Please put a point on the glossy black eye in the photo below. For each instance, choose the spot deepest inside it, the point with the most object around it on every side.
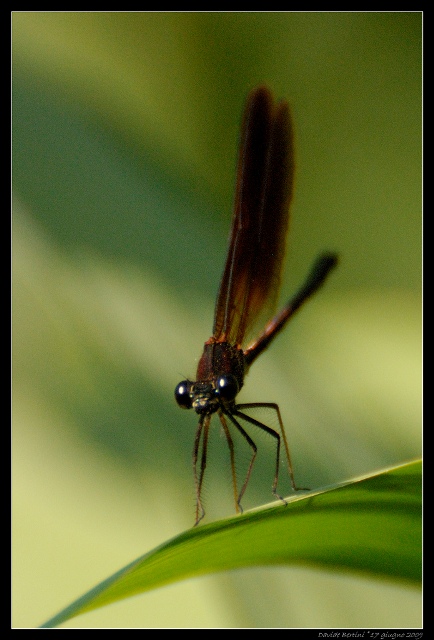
(182, 394)
(227, 387)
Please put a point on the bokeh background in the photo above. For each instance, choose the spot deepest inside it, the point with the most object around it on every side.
(125, 129)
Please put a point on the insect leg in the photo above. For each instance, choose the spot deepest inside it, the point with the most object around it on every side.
(203, 427)
(251, 444)
(232, 455)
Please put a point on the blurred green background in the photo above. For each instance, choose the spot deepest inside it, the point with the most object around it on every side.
(125, 129)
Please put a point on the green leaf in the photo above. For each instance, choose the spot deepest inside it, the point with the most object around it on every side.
(371, 524)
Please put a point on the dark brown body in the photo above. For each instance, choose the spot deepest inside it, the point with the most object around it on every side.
(249, 288)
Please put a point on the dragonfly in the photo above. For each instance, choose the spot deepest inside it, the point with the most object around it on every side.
(248, 292)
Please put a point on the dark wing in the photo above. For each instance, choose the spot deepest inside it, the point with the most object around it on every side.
(251, 277)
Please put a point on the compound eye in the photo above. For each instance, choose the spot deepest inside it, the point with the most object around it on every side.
(182, 394)
(227, 387)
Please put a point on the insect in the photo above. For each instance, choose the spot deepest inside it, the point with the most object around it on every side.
(248, 290)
